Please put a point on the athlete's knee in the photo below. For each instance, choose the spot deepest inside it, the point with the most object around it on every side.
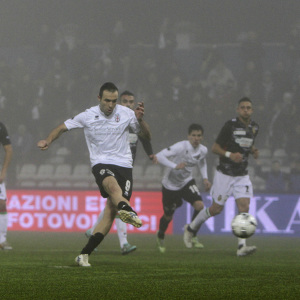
(168, 217)
(2, 206)
(198, 205)
(215, 209)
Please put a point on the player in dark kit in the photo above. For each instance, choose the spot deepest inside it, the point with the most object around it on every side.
(233, 145)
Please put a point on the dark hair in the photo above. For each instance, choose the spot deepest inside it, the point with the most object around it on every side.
(127, 93)
(195, 127)
(107, 86)
(244, 99)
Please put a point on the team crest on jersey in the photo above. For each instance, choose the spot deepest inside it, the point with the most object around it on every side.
(117, 118)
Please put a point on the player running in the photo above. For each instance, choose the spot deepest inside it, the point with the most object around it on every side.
(178, 183)
(233, 145)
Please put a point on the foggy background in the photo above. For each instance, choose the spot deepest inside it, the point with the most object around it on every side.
(189, 61)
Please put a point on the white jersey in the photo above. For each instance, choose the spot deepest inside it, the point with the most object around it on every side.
(182, 152)
(107, 137)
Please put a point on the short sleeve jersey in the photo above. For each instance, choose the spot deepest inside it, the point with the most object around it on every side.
(107, 137)
(235, 136)
(4, 137)
(183, 152)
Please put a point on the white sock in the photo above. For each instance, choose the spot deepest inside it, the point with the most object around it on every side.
(202, 216)
(241, 242)
(122, 232)
(3, 227)
(98, 220)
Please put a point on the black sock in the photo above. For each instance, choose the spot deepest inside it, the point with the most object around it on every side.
(191, 230)
(124, 206)
(196, 212)
(163, 225)
(93, 242)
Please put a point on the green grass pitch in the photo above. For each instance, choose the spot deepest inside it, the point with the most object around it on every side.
(41, 266)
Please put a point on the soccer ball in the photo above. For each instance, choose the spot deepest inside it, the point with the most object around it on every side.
(243, 225)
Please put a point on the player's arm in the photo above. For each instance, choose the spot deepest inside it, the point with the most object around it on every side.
(54, 134)
(148, 149)
(203, 172)
(145, 128)
(254, 152)
(7, 159)
(236, 157)
(163, 157)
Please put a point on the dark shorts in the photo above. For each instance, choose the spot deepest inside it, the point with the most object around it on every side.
(173, 199)
(121, 174)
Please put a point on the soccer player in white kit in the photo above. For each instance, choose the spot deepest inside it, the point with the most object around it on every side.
(5, 141)
(233, 145)
(106, 129)
(127, 99)
(178, 183)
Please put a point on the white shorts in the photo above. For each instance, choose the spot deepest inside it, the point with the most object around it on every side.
(225, 186)
(2, 191)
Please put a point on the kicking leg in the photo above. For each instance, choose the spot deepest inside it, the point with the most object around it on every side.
(126, 213)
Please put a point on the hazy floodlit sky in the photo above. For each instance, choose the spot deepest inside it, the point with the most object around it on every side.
(216, 20)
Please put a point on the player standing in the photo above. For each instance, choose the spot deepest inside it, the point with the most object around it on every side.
(233, 145)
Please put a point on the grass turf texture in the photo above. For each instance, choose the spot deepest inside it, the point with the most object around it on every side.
(41, 266)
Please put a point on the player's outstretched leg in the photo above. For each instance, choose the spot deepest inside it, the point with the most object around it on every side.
(128, 215)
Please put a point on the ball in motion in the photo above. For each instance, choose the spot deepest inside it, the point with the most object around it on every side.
(243, 225)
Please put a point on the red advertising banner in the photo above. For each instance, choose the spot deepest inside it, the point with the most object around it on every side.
(48, 210)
